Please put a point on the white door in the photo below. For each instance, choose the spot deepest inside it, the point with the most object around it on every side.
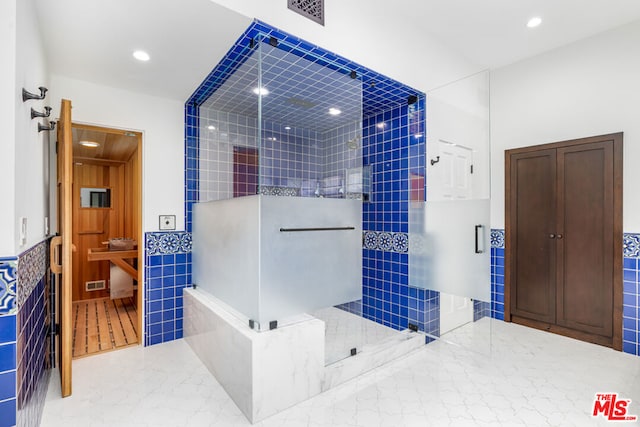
(454, 173)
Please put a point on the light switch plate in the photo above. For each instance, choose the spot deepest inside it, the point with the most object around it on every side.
(167, 222)
(23, 231)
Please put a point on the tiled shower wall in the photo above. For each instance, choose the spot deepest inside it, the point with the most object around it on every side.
(24, 357)
(394, 146)
(293, 161)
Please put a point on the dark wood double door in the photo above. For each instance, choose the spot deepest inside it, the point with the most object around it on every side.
(564, 238)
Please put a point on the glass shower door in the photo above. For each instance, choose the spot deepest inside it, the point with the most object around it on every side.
(450, 232)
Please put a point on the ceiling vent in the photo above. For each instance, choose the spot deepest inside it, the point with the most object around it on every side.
(312, 9)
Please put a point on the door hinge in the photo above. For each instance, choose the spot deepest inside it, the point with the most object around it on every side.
(471, 168)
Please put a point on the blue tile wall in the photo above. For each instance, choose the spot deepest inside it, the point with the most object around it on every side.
(394, 149)
(191, 160)
(24, 344)
(497, 274)
(631, 294)
(32, 324)
(167, 273)
(33, 357)
(296, 159)
(8, 341)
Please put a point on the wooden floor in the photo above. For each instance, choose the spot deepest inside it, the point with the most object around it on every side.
(103, 324)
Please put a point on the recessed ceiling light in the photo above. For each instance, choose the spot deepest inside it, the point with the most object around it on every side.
(261, 91)
(89, 144)
(534, 22)
(381, 125)
(287, 128)
(334, 111)
(141, 55)
(211, 127)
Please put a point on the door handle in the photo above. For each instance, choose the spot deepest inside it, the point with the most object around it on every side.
(477, 249)
(559, 236)
(55, 264)
(552, 236)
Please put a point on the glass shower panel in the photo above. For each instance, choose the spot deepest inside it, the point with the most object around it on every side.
(450, 249)
(310, 118)
(310, 146)
(454, 253)
(229, 129)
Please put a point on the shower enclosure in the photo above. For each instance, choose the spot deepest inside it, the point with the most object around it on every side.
(449, 228)
(277, 313)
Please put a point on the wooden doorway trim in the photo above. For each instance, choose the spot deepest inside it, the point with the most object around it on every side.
(64, 185)
(616, 140)
(136, 198)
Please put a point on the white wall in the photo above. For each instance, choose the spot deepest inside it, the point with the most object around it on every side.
(362, 32)
(162, 123)
(23, 147)
(588, 88)
(7, 124)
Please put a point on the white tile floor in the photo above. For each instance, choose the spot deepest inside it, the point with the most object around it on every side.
(530, 378)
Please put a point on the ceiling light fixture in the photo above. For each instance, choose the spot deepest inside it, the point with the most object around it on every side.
(534, 22)
(381, 125)
(211, 127)
(261, 91)
(89, 144)
(287, 128)
(334, 111)
(141, 55)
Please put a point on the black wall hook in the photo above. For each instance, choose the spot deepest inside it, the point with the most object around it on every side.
(26, 95)
(433, 162)
(42, 127)
(34, 113)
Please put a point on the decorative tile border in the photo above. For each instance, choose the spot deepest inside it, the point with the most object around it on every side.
(8, 283)
(385, 241)
(497, 238)
(631, 245)
(167, 243)
(268, 190)
(32, 266)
